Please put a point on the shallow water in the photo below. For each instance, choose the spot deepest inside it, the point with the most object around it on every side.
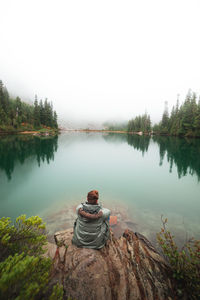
(139, 178)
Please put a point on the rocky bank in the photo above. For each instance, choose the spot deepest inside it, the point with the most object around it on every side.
(127, 268)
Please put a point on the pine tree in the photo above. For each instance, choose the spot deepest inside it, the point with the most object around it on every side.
(165, 119)
(1, 94)
(197, 120)
(189, 110)
(42, 113)
(55, 124)
(4, 104)
(140, 123)
(36, 113)
(18, 110)
(15, 112)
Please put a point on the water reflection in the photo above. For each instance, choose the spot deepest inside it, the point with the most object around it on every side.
(181, 152)
(184, 153)
(115, 137)
(140, 143)
(15, 149)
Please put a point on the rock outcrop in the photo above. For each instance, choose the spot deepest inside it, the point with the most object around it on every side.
(126, 268)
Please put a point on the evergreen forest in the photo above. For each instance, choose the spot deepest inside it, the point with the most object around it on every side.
(16, 115)
(140, 123)
(184, 120)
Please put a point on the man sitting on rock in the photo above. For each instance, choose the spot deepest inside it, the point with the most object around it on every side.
(91, 228)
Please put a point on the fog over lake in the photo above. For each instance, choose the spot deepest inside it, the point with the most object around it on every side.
(101, 60)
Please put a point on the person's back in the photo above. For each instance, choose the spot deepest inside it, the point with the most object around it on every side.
(91, 228)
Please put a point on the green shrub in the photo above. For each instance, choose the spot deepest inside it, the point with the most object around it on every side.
(24, 276)
(27, 235)
(24, 273)
(57, 293)
(185, 262)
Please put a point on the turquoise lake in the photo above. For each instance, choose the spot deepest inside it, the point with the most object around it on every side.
(139, 178)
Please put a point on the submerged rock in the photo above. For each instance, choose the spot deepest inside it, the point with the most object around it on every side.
(126, 268)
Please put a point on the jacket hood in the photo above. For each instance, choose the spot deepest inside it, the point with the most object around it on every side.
(91, 208)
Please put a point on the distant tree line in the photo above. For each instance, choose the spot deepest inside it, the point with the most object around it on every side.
(15, 113)
(115, 126)
(184, 120)
(140, 123)
(43, 114)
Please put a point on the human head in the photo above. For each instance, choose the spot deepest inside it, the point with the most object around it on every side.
(92, 197)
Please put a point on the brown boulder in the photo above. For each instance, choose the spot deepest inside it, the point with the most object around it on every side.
(126, 268)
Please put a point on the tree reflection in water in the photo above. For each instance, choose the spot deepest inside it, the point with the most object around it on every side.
(181, 152)
(184, 153)
(140, 143)
(15, 149)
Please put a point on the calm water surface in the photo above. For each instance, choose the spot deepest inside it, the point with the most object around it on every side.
(139, 178)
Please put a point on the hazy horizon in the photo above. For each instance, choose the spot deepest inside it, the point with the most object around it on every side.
(101, 61)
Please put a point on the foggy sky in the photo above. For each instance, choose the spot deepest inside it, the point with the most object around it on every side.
(101, 60)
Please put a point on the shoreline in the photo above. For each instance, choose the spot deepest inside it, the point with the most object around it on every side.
(131, 133)
(101, 130)
(31, 132)
(59, 131)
